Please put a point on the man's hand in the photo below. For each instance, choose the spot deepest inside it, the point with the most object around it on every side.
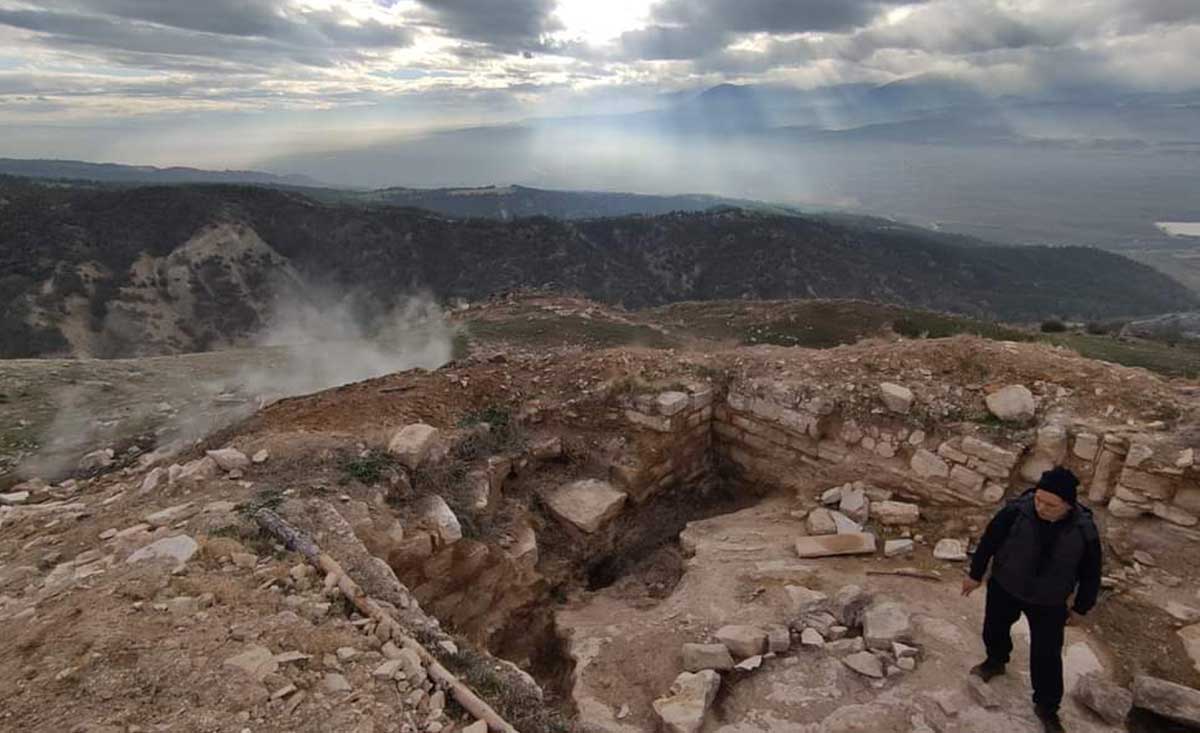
(969, 585)
(1074, 619)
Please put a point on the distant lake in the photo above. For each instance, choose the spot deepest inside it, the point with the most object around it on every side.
(1180, 228)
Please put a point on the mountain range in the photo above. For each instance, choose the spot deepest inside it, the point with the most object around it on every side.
(123, 271)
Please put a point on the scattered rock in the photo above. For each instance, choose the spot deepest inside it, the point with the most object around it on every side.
(842, 647)
(950, 549)
(865, 663)
(261, 457)
(848, 605)
(1171, 701)
(812, 638)
(779, 639)
(244, 560)
(477, 727)
(749, 664)
(983, 694)
(855, 504)
(178, 550)
(256, 661)
(896, 398)
(742, 641)
(170, 515)
(1191, 643)
(97, 459)
(1106, 699)
(907, 664)
(441, 519)
(1013, 403)
(832, 496)
(885, 623)
(335, 683)
(698, 657)
(895, 513)
(803, 600)
(586, 504)
(820, 522)
(412, 444)
(844, 524)
(14, 498)
(858, 543)
(229, 459)
(689, 699)
(1180, 612)
(547, 449)
(897, 548)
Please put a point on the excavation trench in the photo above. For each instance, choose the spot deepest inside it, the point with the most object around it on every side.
(636, 558)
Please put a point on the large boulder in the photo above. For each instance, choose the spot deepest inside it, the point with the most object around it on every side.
(690, 697)
(742, 641)
(1171, 701)
(1106, 699)
(587, 504)
(1013, 403)
(412, 444)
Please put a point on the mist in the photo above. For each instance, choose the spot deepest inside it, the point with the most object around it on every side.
(314, 339)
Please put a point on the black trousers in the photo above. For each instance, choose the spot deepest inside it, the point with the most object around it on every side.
(1047, 626)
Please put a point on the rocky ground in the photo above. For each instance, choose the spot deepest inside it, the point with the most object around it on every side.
(143, 595)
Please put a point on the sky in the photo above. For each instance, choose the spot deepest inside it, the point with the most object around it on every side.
(228, 82)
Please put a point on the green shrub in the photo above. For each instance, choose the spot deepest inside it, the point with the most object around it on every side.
(1053, 325)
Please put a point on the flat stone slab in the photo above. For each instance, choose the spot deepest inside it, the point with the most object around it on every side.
(855, 543)
(865, 663)
(586, 504)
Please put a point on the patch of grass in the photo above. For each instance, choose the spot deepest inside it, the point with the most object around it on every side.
(368, 469)
(564, 330)
(499, 687)
(268, 498)
(1181, 360)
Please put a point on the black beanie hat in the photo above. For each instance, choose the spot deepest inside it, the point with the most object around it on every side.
(1061, 482)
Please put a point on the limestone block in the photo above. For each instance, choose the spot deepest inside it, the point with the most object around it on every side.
(860, 543)
(897, 398)
(413, 443)
(587, 504)
(927, 465)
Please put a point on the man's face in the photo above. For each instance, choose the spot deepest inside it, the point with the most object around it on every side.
(1050, 507)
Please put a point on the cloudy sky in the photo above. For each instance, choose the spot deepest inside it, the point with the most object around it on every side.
(207, 81)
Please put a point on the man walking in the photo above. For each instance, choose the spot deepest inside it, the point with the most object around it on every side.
(1043, 546)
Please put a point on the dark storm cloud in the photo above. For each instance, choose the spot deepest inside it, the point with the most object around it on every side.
(693, 29)
(772, 16)
(251, 32)
(506, 25)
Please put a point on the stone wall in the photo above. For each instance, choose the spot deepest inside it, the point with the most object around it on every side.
(673, 443)
(772, 432)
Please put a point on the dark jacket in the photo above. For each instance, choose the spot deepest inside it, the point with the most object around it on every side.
(1040, 562)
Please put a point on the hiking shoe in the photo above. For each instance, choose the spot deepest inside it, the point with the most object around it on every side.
(1050, 721)
(986, 671)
